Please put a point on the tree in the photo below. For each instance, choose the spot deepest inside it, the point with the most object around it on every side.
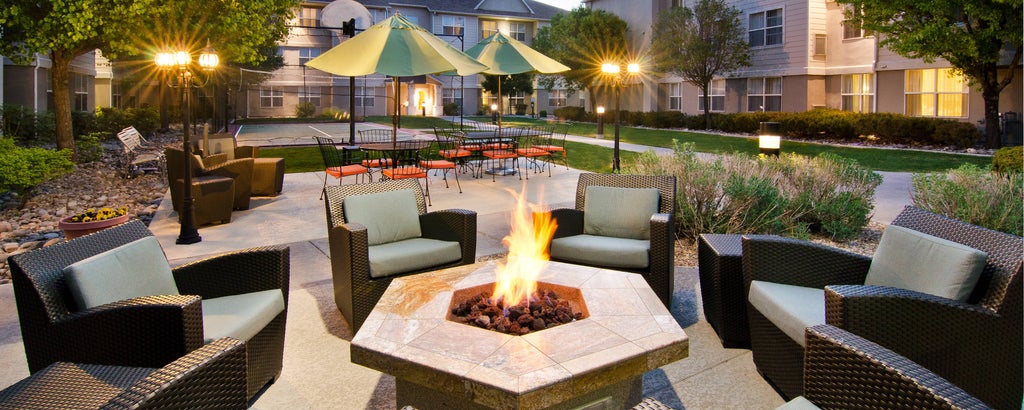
(582, 40)
(700, 44)
(975, 36)
(510, 85)
(68, 29)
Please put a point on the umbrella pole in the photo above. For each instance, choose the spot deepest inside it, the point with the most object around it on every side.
(499, 104)
(394, 118)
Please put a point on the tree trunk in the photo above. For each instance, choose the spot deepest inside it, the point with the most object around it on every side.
(707, 107)
(62, 99)
(990, 89)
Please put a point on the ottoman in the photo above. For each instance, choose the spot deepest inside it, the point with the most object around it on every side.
(720, 267)
(267, 176)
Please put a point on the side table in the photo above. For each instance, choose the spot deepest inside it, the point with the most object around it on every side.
(720, 266)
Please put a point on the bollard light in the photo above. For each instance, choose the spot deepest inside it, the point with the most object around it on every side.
(769, 141)
(600, 121)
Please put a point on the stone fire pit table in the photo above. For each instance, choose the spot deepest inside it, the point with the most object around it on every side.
(595, 362)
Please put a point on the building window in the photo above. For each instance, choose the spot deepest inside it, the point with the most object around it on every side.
(764, 94)
(717, 90)
(820, 45)
(308, 53)
(675, 96)
(452, 25)
(858, 92)
(936, 93)
(80, 90)
(487, 28)
(517, 31)
(364, 97)
(115, 95)
(765, 28)
(852, 26)
(451, 95)
(271, 98)
(380, 15)
(557, 98)
(309, 16)
(310, 95)
(514, 101)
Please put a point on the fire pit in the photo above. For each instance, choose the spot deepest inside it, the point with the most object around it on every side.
(611, 328)
(442, 364)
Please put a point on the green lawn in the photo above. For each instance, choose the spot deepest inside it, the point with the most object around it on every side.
(598, 159)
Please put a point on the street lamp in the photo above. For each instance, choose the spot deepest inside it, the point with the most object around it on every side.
(181, 60)
(600, 122)
(614, 71)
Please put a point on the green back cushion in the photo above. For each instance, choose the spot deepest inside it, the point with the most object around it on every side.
(619, 212)
(388, 216)
(131, 270)
(912, 260)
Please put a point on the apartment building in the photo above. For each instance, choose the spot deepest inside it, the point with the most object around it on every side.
(462, 23)
(804, 55)
(30, 84)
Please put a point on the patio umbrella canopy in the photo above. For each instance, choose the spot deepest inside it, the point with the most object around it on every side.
(506, 55)
(398, 48)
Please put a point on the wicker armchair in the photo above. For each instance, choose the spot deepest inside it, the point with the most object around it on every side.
(212, 376)
(355, 291)
(845, 371)
(148, 331)
(976, 345)
(660, 269)
(239, 170)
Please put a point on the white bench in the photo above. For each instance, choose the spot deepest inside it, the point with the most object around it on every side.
(137, 157)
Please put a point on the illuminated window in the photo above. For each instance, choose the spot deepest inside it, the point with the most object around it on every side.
(309, 16)
(717, 90)
(764, 94)
(858, 92)
(452, 25)
(935, 93)
(765, 28)
(487, 28)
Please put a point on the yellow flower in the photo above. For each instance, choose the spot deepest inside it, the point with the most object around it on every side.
(102, 214)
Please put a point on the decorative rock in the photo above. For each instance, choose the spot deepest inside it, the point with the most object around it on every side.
(10, 247)
(72, 204)
(30, 245)
(51, 235)
(6, 226)
(53, 241)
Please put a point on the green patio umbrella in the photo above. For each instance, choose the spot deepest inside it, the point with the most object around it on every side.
(506, 55)
(398, 48)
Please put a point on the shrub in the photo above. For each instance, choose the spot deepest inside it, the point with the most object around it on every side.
(1008, 159)
(974, 195)
(792, 195)
(571, 113)
(21, 169)
(543, 113)
(18, 122)
(955, 133)
(305, 109)
(333, 113)
(90, 146)
(450, 108)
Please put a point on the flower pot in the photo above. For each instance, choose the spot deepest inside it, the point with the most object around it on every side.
(73, 230)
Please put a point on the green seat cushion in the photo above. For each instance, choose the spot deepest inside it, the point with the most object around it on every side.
(913, 260)
(388, 216)
(790, 308)
(411, 255)
(602, 251)
(135, 269)
(619, 212)
(799, 403)
(240, 316)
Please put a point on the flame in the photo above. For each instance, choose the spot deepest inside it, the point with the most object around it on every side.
(527, 244)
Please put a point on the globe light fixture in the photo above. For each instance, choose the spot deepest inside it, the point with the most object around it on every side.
(613, 71)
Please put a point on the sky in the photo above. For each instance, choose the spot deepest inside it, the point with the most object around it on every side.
(565, 4)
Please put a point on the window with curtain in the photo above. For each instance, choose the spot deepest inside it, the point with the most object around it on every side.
(308, 53)
(271, 97)
(364, 96)
(935, 93)
(452, 25)
(309, 16)
(717, 90)
(517, 31)
(557, 98)
(311, 94)
(858, 92)
(764, 94)
(765, 28)
(852, 26)
(487, 28)
(675, 96)
(451, 95)
(80, 91)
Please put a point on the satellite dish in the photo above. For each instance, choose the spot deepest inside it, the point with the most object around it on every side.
(340, 11)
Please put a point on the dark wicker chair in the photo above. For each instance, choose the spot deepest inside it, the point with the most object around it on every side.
(355, 292)
(976, 345)
(212, 376)
(846, 371)
(239, 170)
(660, 272)
(149, 331)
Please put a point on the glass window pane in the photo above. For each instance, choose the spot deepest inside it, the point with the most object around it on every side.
(951, 105)
(867, 83)
(754, 103)
(773, 36)
(773, 18)
(949, 82)
(773, 85)
(717, 87)
(756, 21)
(914, 81)
(756, 38)
(773, 103)
(718, 103)
(755, 86)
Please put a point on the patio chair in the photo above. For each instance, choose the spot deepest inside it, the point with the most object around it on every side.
(970, 337)
(624, 222)
(527, 150)
(267, 173)
(499, 150)
(110, 298)
(239, 170)
(335, 166)
(381, 230)
(137, 156)
(555, 143)
(212, 376)
(374, 161)
(447, 157)
(845, 371)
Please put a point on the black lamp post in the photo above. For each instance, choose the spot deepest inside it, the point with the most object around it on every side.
(613, 69)
(181, 60)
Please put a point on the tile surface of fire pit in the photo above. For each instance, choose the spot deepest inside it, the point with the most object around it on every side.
(598, 360)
